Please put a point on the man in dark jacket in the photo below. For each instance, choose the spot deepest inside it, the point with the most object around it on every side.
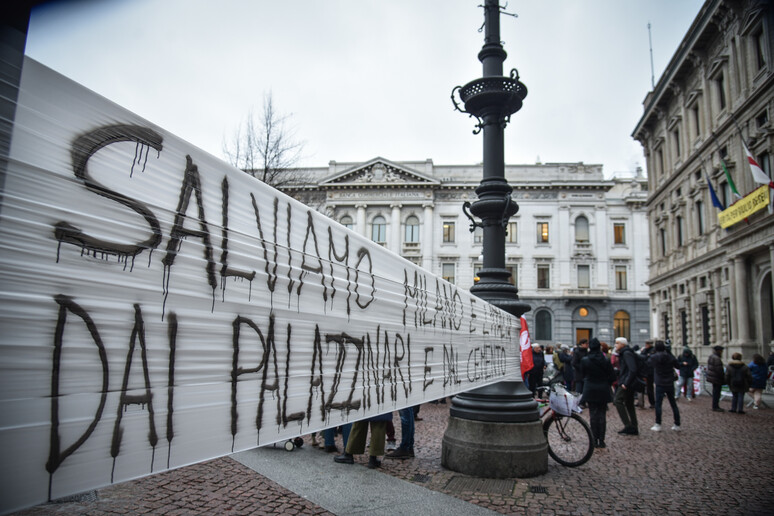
(535, 375)
(599, 375)
(715, 376)
(647, 351)
(664, 365)
(580, 351)
(627, 378)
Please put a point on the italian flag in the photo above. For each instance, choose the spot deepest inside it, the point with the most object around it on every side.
(730, 181)
(759, 176)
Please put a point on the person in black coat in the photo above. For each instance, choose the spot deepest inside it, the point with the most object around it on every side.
(580, 351)
(535, 375)
(598, 376)
(627, 386)
(664, 365)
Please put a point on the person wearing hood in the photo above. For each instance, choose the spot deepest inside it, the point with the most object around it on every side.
(738, 379)
(688, 364)
(599, 376)
(664, 365)
(565, 357)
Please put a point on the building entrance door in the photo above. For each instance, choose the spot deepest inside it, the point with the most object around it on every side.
(582, 333)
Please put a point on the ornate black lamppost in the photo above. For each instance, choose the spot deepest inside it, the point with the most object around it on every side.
(494, 431)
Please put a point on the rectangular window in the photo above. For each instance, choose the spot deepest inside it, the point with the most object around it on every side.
(662, 235)
(542, 232)
(448, 232)
(684, 326)
(765, 162)
(544, 278)
(512, 269)
(619, 233)
(696, 120)
(584, 276)
(679, 227)
(478, 235)
(705, 325)
(700, 217)
(728, 319)
(513, 233)
(620, 277)
(760, 49)
(666, 326)
(676, 142)
(447, 272)
(720, 86)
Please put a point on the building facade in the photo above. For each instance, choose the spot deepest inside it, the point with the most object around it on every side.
(575, 248)
(710, 285)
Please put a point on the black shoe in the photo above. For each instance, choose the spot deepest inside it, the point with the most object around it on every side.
(400, 453)
(718, 409)
(331, 449)
(740, 412)
(373, 462)
(346, 458)
(601, 444)
(629, 431)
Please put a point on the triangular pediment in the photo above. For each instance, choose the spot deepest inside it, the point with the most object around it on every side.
(379, 171)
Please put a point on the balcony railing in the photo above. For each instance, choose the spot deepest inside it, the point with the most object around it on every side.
(586, 293)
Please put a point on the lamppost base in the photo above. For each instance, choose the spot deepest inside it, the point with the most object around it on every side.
(494, 450)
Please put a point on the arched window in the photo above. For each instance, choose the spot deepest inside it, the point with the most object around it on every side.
(621, 325)
(412, 230)
(543, 325)
(581, 229)
(346, 221)
(379, 230)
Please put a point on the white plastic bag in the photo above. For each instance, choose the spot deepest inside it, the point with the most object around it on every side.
(563, 402)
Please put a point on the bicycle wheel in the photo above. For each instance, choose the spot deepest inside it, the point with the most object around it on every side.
(570, 442)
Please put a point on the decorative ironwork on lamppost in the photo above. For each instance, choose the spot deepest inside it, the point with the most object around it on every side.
(494, 431)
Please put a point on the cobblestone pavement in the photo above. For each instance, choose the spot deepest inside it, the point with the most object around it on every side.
(719, 464)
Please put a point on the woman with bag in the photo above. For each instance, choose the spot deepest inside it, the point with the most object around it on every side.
(599, 376)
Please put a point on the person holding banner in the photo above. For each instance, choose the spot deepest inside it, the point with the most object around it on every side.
(357, 440)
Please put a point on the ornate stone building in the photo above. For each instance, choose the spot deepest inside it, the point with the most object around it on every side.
(710, 285)
(575, 248)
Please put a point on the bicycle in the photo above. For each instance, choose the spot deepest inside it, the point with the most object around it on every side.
(569, 437)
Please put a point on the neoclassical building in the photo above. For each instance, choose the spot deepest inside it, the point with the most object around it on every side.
(575, 248)
(710, 285)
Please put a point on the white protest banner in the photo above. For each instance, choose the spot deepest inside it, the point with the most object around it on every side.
(160, 307)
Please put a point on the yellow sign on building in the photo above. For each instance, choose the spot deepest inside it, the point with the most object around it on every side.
(743, 208)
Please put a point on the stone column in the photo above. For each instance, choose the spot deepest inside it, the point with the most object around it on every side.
(360, 223)
(426, 237)
(717, 313)
(742, 308)
(395, 228)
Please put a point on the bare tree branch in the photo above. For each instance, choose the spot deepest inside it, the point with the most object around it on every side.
(265, 147)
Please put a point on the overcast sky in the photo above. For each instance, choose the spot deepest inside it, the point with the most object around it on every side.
(367, 78)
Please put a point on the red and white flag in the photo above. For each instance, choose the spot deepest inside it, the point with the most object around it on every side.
(526, 347)
(759, 176)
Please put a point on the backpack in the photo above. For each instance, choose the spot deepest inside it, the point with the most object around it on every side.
(737, 380)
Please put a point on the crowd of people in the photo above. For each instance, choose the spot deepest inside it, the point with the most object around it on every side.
(629, 376)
